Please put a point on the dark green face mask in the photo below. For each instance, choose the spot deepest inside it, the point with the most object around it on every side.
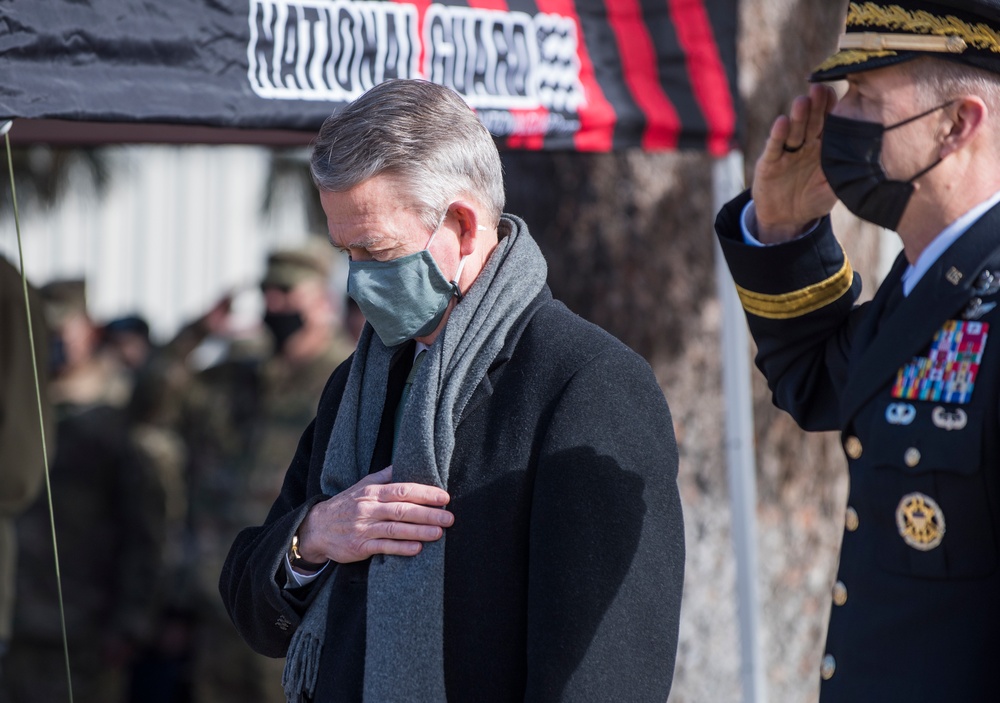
(402, 298)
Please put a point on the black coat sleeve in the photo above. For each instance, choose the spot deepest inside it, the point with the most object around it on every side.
(253, 576)
(606, 547)
(799, 298)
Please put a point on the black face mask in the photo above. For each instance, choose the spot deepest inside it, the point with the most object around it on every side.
(851, 160)
(282, 325)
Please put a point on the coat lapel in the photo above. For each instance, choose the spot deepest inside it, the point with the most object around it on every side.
(887, 341)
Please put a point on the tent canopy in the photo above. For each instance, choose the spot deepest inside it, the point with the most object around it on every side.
(588, 75)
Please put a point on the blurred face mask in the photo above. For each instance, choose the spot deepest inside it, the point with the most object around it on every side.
(851, 158)
(403, 298)
(283, 325)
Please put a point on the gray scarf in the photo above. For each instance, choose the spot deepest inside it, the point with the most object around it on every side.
(404, 657)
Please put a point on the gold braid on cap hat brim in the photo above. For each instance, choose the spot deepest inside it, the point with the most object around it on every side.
(979, 36)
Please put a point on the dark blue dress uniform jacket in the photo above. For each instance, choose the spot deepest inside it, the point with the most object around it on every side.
(916, 612)
(564, 567)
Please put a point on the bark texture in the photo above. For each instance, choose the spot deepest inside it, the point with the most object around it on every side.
(629, 242)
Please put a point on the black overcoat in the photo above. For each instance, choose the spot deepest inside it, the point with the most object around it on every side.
(912, 383)
(564, 567)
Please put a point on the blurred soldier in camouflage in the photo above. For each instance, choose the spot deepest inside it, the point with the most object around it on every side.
(239, 464)
(109, 521)
(21, 458)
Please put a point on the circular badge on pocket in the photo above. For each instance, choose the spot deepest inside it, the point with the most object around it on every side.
(920, 521)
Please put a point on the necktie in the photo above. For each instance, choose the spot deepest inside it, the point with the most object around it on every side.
(406, 392)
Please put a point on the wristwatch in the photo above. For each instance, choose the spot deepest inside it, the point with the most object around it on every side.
(296, 560)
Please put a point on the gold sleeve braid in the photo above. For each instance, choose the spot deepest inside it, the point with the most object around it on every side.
(785, 306)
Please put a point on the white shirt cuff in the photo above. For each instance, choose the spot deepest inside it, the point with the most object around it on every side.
(748, 224)
(297, 580)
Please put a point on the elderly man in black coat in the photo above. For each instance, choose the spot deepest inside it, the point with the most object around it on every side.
(485, 507)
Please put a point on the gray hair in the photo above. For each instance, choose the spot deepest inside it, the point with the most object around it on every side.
(941, 80)
(421, 133)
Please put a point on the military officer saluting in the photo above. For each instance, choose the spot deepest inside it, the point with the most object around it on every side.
(912, 378)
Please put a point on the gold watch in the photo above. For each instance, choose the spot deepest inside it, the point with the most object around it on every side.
(296, 559)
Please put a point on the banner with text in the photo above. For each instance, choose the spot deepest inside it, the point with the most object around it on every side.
(592, 75)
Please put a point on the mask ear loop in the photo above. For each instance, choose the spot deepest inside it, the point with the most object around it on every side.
(921, 173)
(436, 229)
(458, 276)
(461, 265)
(908, 120)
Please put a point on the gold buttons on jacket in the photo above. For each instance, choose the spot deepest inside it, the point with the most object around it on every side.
(852, 445)
(851, 522)
(839, 593)
(912, 457)
(828, 667)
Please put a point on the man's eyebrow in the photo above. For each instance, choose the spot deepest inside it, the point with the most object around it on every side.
(363, 243)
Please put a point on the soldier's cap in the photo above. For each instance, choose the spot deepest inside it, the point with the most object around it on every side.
(128, 324)
(286, 268)
(881, 34)
(63, 299)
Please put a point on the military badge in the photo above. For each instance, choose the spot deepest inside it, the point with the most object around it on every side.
(976, 309)
(949, 421)
(920, 521)
(948, 373)
(900, 414)
(987, 284)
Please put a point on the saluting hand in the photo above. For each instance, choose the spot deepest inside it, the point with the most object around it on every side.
(789, 188)
(374, 516)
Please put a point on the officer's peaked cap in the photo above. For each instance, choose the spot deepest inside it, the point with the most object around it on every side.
(882, 33)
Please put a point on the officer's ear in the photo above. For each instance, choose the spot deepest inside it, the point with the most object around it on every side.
(965, 121)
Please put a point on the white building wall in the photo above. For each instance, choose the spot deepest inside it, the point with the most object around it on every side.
(175, 230)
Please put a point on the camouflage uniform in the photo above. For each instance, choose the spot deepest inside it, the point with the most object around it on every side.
(109, 521)
(252, 412)
(21, 457)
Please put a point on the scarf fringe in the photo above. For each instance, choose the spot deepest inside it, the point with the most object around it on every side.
(299, 680)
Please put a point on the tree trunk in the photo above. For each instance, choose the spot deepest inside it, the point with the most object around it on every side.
(628, 239)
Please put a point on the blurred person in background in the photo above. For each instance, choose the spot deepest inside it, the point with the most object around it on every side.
(128, 339)
(22, 465)
(254, 404)
(161, 392)
(109, 513)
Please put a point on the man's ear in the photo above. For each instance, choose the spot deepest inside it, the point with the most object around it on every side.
(464, 213)
(968, 117)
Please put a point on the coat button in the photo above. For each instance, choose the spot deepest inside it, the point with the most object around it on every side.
(912, 457)
(852, 445)
(851, 522)
(828, 667)
(839, 593)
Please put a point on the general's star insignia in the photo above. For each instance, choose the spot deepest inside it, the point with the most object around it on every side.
(920, 521)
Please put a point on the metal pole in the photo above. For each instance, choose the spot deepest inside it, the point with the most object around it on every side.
(727, 182)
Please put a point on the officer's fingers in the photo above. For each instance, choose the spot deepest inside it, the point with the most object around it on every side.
(412, 493)
(822, 100)
(798, 122)
(773, 149)
(829, 96)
